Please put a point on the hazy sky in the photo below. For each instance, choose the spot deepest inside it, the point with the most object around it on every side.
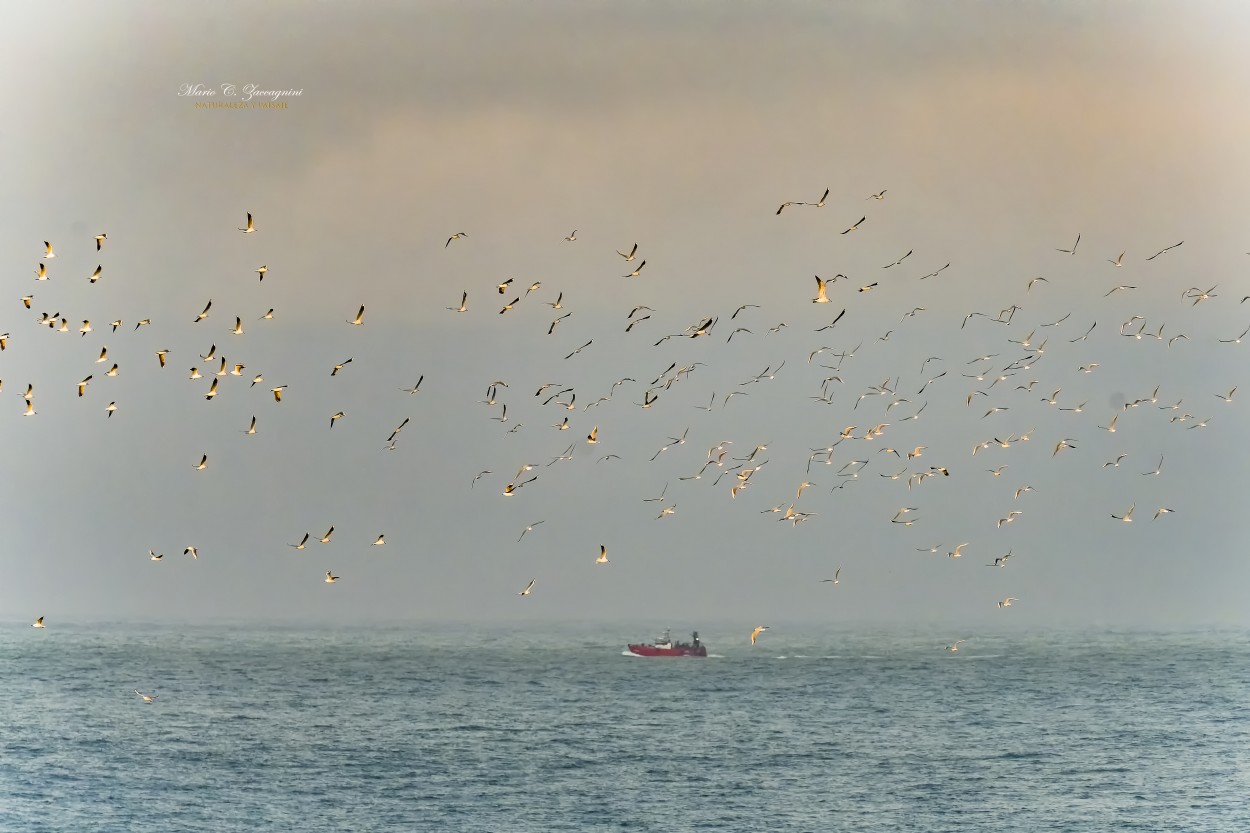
(999, 132)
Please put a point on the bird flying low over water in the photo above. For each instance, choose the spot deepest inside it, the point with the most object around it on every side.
(147, 698)
(38, 623)
(755, 633)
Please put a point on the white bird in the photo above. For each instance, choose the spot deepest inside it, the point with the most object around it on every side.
(758, 630)
(360, 317)
(528, 588)
(147, 698)
(1127, 517)
(154, 556)
(380, 542)
(1007, 601)
(38, 623)
(833, 580)
(954, 646)
(250, 228)
(330, 577)
(194, 553)
(630, 256)
(603, 555)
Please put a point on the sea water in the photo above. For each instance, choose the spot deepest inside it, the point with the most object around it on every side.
(490, 728)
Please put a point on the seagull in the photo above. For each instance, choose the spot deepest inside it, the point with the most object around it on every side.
(821, 297)
(954, 646)
(1127, 517)
(99, 240)
(603, 555)
(261, 270)
(195, 554)
(1162, 510)
(634, 273)
(95, 276)
(1161, 251)
(301, 543)
(153, 556)
(250, 228)
(340, 366)
(251, 429)
(1071, 251)
(572, 236)
(455, 236)
(26, 299)
(38, 623)
(110, 408)
(147, 698)
(277, 392)
(529, 587)
(833, 580)
(330, 577)
(203, 464)
(900, 260)
(1007, 601)
(1117, 262)
(203, 314)
(855, 226)
(1158, 469)
(82, 387)
(325, 539)
(41, 272)
(880, 195)
(464, 303)
(267, 316)
(238, 327)
(360, 317)
(755, 633)
(630, 256)
(529, 528)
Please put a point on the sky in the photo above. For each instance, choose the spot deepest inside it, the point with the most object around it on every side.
(995, 134)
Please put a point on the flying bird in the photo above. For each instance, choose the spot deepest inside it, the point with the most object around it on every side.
(455, 236)
(250, 227)
(855, 226)
(755, 633)
(360, 317)
(529, 587)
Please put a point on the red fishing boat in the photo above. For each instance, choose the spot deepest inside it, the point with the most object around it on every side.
(664, 646)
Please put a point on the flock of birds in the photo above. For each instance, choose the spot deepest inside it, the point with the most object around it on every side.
(1004, 381)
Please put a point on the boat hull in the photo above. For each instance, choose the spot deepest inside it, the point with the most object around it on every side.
(676, 651)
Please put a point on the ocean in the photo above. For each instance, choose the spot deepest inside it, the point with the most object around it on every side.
(551, 728)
